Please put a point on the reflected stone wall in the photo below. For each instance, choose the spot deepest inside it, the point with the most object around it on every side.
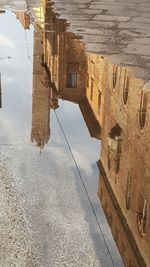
(24, 19)
(117, 105)
(40, 96)
(116, 99)
(126, 161)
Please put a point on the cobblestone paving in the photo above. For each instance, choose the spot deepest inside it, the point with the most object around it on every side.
(17, 4)
(115, 28)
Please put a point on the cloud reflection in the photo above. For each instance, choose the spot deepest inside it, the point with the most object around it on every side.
(5, 41)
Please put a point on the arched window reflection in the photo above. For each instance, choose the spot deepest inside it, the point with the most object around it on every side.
(126, 84)
(128, 191)
(92, 87)
(142, 214)
(115, 72)
(114, 148)
(99, 101)
(143, 109)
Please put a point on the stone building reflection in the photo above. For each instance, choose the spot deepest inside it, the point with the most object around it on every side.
(124, 185)
(24, 19)
(40, 96)
(115, 107)
(65, 56)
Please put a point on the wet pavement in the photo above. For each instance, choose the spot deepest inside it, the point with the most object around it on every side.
(119, 30)
(18, 4)
(46, 218)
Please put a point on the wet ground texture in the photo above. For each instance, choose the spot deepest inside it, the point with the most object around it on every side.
(117, 29)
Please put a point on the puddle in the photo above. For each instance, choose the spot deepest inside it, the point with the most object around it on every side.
(35, 151)
(53, 97)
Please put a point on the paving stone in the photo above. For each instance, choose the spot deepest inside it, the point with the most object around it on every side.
(128, 23)
(111, 18)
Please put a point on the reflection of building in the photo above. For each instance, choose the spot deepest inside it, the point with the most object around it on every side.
(95, 84)
(124, 187)
(40, 97)
(90, 119)
(65, 56)
(24, 19)
(116, 109)
(2, 11)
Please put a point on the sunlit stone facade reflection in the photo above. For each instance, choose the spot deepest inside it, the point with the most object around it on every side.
(124, 185)
(120, 104)
(40, 96)
(115, 107)
(24, 18)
